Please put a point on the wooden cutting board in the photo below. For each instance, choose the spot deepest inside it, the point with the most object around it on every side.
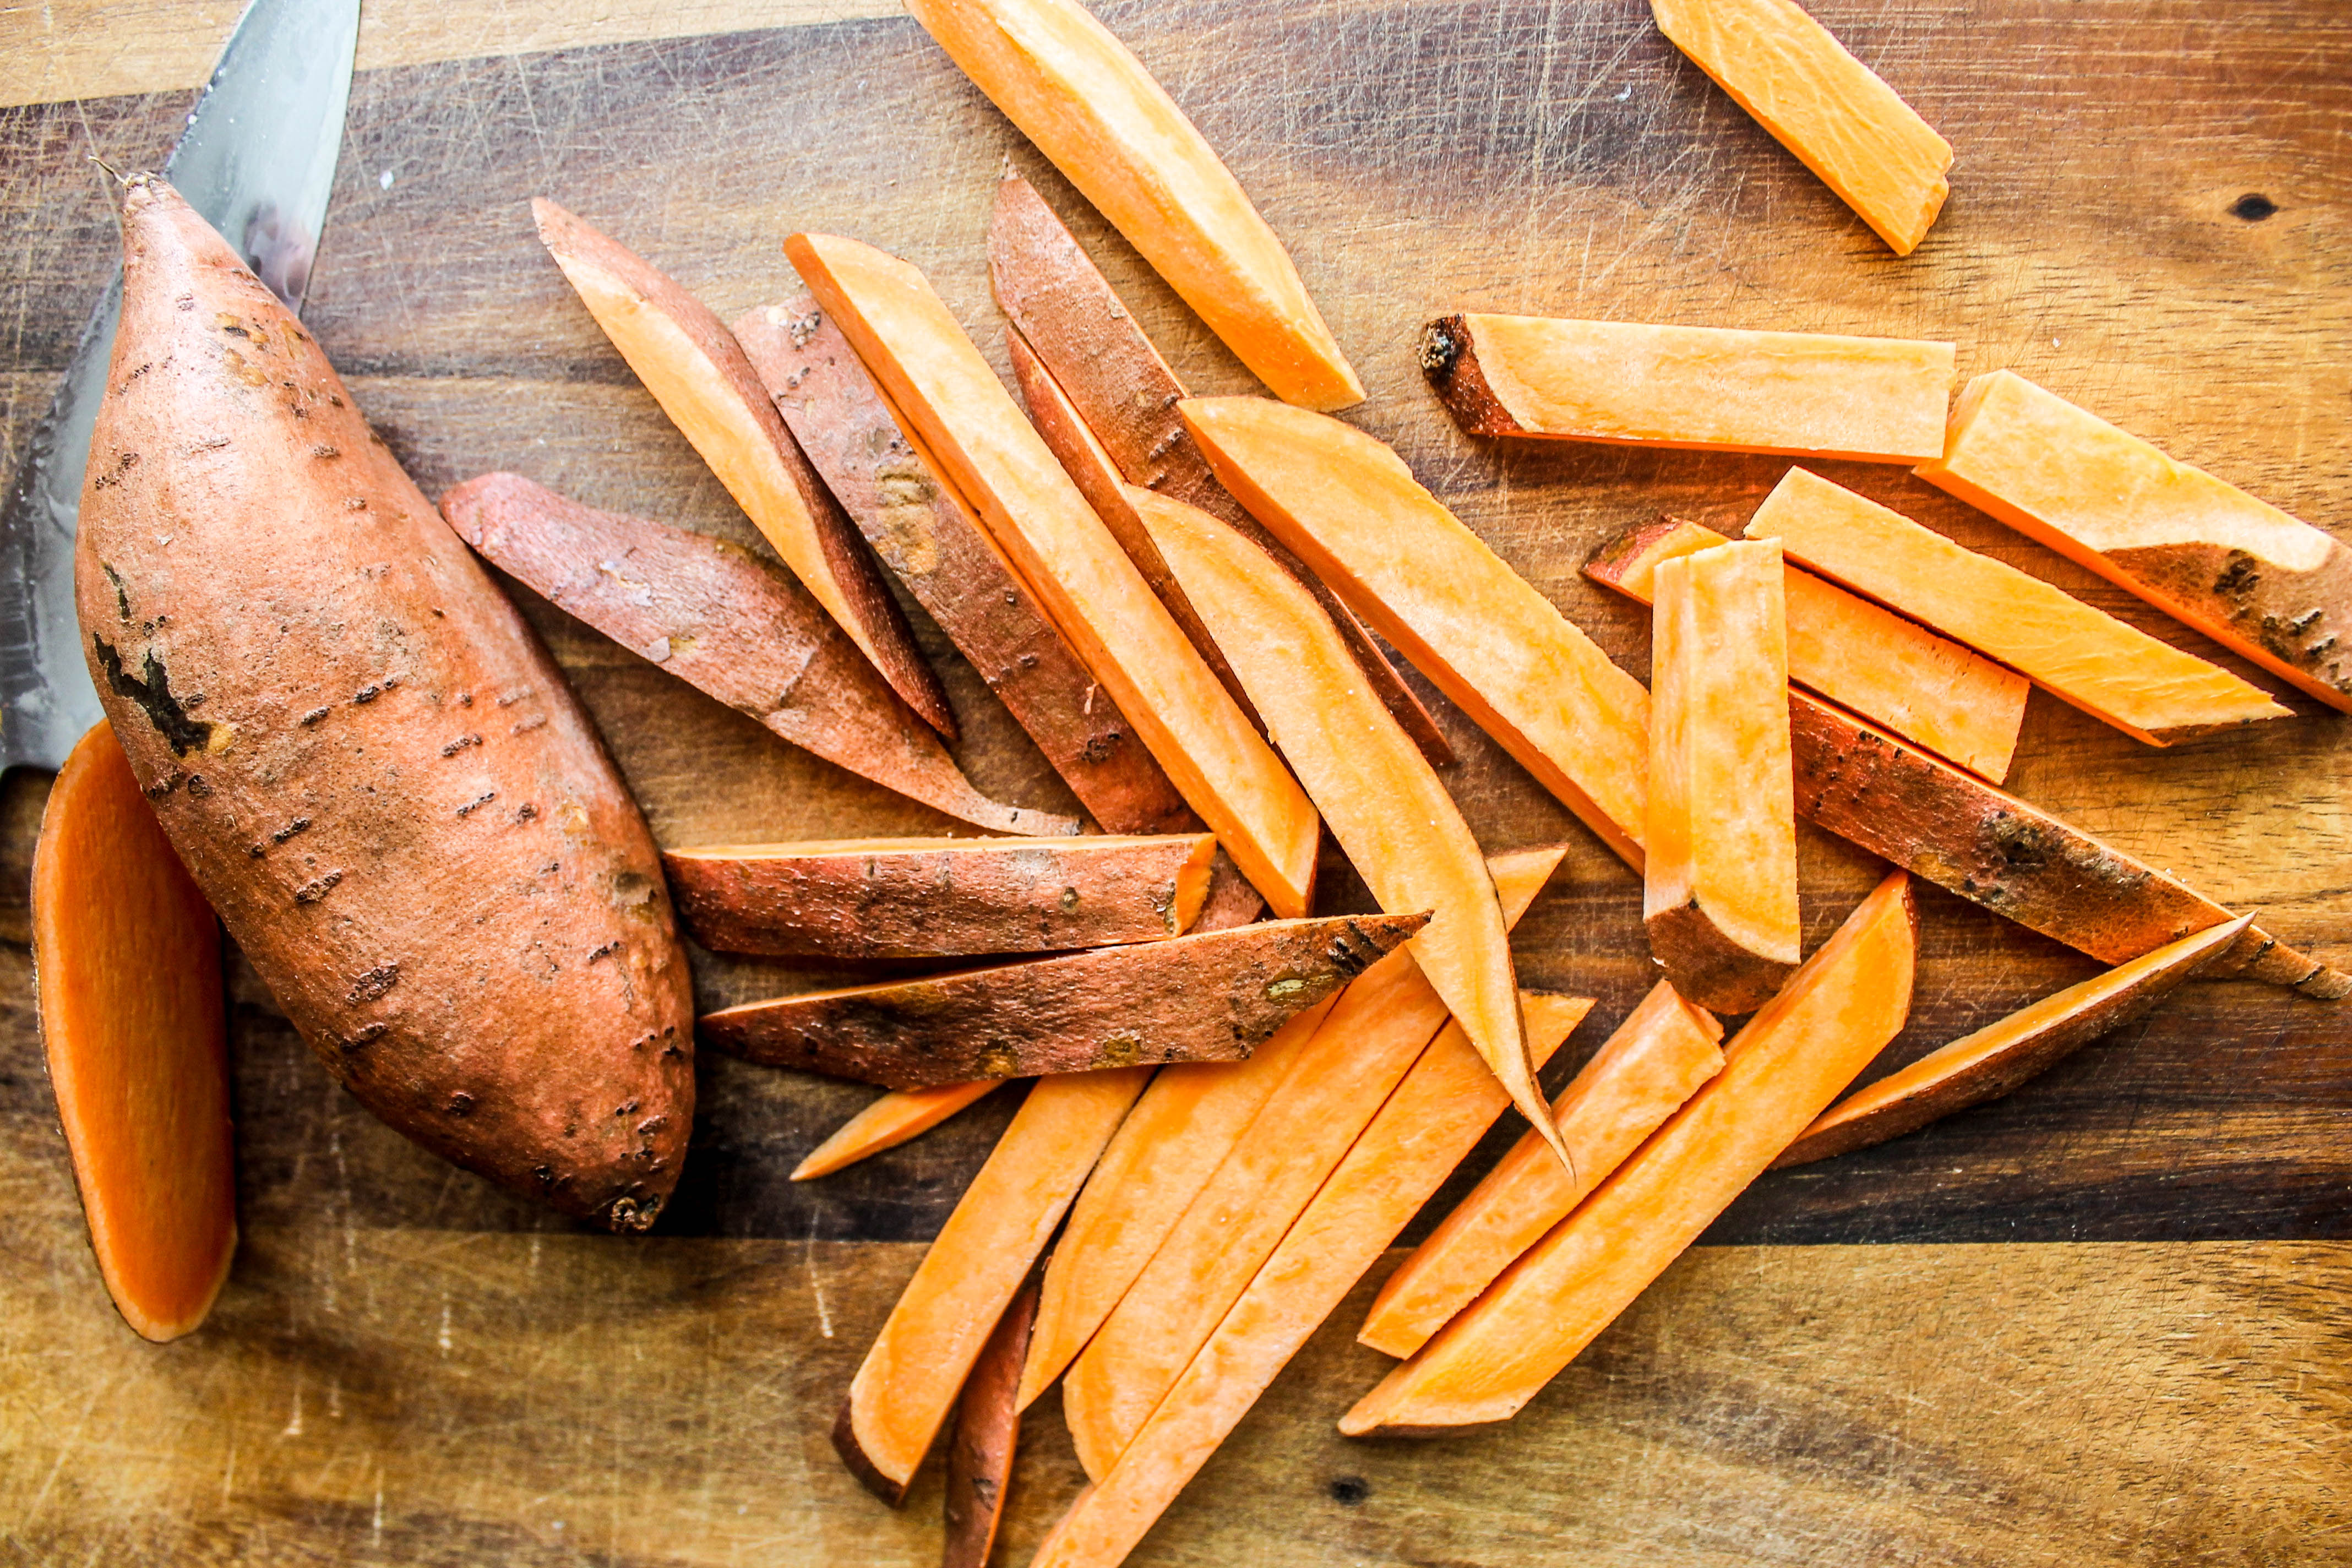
(2100, 1323)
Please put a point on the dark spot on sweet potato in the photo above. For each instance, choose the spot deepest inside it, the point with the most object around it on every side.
(299, 824)
(525, 812)
(367, 1036)
(372, 985)
(311, 892)
(459, 744)
(607, 951)
(2253, 207)
(121, 595)
(461, 1103)
(323, 450)
(314, 715)
(199, 786)
(367, 694)
(152, 690)
(477, 803)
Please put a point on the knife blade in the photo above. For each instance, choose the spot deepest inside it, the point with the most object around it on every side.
(257, 159)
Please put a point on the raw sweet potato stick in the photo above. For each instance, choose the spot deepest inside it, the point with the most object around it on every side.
(987, 1428)
(1837, 1012)
(2257, 581)
(970, 427)
(890, 1120)
(1090, 106)
(127, 970)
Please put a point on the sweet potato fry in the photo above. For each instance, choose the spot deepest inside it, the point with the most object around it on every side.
(909, 1379)
(2149, 690)
(890, 1120)
(1717, 389)
(723, 621)
(926, 533)
(987, 1428)
(1658, 1057)
(697, 371)
(2255, 580)
(1087, 342)
(1891, 671)
(1179, 1135)
(1719, 888)
(1212, 996)
(1090, 106)
(127, 970)
(1837, 1012)
(1426, 1128)
(1832, 111)
(1349, 508)
(1997, 1058)
(970, 427)
(938, 897)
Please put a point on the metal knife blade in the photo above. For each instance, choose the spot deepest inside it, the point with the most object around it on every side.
(257, 158)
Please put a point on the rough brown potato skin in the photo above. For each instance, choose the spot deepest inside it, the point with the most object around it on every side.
(369, 764)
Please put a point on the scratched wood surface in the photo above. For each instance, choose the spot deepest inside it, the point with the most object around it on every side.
(410, 1367)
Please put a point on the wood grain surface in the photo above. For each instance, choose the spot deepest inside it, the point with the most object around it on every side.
(411, 1367)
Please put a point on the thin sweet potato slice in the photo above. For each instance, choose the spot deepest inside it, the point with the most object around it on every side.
(1426, 1128)
(2255, 580)
(934, 898)
(1713, 389)
(909, 1380)
(1211, 996)
(1832, 111)
(987, 1428)
(1192, 1116)
(888, 1121)
(1956, 704)
(127, 964)
(2150, 690)
(970, 427)
(1088, 342)
(1089, 105)
(1350, 508)
(1780, 1072)
(697, 371)
(1720, 890)
(1658, 1057)
(727, 622)
(926, 535)
(1997, 1058)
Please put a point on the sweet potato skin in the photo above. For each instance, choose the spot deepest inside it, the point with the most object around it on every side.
(363, 757)
(987, 1426)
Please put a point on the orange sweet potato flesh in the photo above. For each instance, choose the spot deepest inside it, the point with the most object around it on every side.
(1178, 1137)
(1090, 106)
(909, 1379)
(888, 1121)
(698, 372)
(2257, 581)
(1658, 1057)
(402, 816)
(1832, 111)
(1719, 890)
(1426, 1128)
(972, 429)
(2149, 690)
(1891, 671)
(127, 962)
(1837, 1012)
(1713, 389)
(1348, 507)
(1997, 1058)
(1383, 802)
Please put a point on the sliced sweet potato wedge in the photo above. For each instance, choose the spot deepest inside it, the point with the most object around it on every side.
(127, 966)
(728, 624)
(909, 1381)
(1657, 1058)
(987, 1430)
(1426, 1128)
(1211, 996)
(972, 429)
(888, 1121)
(1713, 389)
(2260, 582)
(939, 897)
(1997, 1058)
(1836, 1013)
(1349, 508)
(1194, 1114)
(1720, 890)
(926, 534)
(698, 372)
(1089, 105)
(1956, 704)
(1832, 111)
(2150, 690)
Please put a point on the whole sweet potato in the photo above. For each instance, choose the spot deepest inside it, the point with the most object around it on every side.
(366, 759)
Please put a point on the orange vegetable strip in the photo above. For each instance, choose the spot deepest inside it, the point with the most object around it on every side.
(1657, 1058)
(1838, 1012)
(888, 1121)
(987, 1433)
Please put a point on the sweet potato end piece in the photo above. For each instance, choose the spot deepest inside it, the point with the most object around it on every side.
(855, 1458)
(1707, 966)
(899, 1116)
